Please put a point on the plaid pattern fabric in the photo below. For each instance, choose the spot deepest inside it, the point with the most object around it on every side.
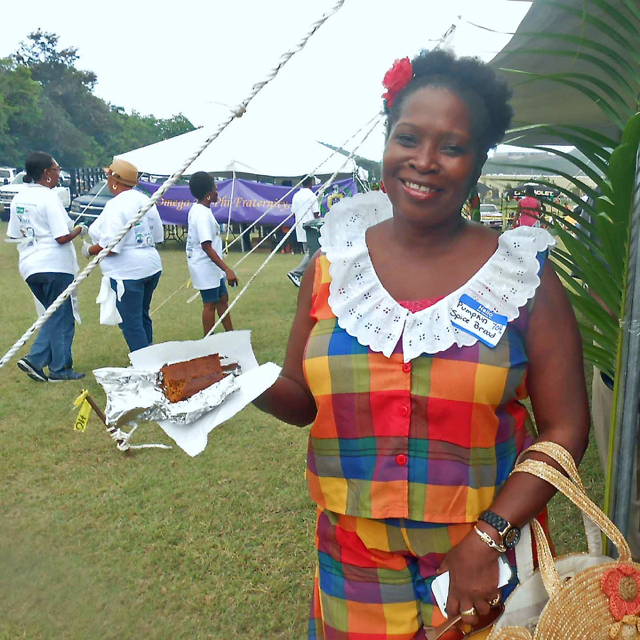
(373, 579)
(431, 440)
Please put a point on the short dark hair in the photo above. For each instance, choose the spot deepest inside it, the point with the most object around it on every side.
(486, 93)
(307, 182)
(529, 190)
(36, 163)
(200, 184)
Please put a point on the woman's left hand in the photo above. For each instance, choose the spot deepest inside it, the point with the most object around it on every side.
(474, 573)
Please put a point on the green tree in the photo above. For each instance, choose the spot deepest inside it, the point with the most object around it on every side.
(20, 111)
(47, 103)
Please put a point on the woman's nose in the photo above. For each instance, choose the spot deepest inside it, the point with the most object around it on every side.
(425, 159)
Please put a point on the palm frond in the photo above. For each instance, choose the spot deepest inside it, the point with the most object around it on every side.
(588, 43)
(609, 69)
(594, 96)
(629, 46)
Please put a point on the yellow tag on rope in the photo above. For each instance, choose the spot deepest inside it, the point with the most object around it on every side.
(81, 398)
(189, 284)
(85, 411)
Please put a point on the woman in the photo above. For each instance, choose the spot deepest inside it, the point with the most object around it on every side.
(529, 212)
(48, 264)
(417, 335)
(133, 266)
(204, 253)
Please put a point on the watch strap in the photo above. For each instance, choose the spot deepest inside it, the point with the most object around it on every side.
(497, 522)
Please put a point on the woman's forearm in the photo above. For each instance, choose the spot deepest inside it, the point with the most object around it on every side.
(288, 401)
(524, 496)
(74, 233)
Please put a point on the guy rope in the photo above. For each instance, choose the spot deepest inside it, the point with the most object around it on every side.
(237, 112)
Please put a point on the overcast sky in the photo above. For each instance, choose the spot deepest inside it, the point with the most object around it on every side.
(164, 58)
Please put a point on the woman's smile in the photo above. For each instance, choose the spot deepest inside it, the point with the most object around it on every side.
(420, 191)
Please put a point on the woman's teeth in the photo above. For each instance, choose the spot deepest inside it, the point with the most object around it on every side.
(418, 187)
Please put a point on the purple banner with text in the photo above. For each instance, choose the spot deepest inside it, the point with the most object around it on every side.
(250, 201)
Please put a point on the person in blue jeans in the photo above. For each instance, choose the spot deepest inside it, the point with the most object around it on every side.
(133, 267)
(47, 263)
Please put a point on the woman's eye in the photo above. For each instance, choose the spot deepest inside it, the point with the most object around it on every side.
(405, 139)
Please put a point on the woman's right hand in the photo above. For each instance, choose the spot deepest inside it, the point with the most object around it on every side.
(232, 279)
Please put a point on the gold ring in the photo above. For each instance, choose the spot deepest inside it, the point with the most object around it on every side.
(495, 602)
(469, 612)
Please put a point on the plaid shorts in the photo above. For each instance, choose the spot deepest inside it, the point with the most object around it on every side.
(373, 579)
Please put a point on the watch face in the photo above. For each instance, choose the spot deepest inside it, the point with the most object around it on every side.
(511, 538)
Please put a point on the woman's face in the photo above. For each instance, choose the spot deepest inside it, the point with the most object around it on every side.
(431, 157)
(52, 175)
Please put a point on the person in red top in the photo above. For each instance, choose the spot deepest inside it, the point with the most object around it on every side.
(417, 408)
(529, 210)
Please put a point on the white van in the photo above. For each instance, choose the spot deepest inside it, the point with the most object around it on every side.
(7, 174)
(8, 191)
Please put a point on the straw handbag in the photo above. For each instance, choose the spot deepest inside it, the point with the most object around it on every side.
(590, 596)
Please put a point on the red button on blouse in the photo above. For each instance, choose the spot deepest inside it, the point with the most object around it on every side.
(401, 459)
(403, 410)
(406, 367)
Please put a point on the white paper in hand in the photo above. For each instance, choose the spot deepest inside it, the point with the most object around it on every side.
(236, 347)
(440, 586)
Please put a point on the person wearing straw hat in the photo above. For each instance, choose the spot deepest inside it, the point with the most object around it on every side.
(133, 267)
(48, 264)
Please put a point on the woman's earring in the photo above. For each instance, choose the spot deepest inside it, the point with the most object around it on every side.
(48, 179)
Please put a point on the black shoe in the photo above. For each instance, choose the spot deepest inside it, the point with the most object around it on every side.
(31, 370)
(64, 377)
(294, 278)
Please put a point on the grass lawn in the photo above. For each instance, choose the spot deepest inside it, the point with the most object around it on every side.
(98, 544)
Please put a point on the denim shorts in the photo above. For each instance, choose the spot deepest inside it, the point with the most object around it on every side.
(214, 295)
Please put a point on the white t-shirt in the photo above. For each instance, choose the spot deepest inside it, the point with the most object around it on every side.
(303, 205)
(203, 227)
(136, 256)
(38, 217)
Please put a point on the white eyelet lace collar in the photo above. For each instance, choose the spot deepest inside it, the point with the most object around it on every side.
(368, 313)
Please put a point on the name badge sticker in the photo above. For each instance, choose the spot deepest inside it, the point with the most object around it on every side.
(474, 318)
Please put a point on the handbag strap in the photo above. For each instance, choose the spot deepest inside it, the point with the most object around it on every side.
(548, 571)
(580, 499)
(558, 453)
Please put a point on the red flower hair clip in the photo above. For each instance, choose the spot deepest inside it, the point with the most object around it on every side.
(396, 79)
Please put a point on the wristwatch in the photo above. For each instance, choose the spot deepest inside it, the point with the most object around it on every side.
(509, 533)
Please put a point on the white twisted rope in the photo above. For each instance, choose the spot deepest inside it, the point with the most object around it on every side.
(122, 440)
(100, 190)
(275, 204)
(238, 111)
(175, 293)
(284, 239)
(375, 121)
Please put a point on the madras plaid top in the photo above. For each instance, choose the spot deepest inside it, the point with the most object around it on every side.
(431, 440)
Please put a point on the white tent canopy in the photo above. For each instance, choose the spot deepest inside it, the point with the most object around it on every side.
(544, 101)
(278, 152)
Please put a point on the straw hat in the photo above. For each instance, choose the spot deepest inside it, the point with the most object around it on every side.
(123, 171)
